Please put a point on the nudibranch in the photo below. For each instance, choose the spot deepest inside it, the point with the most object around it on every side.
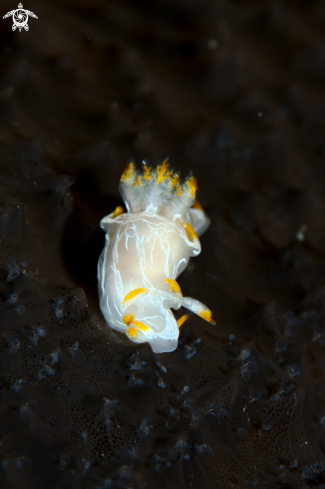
(146, 249)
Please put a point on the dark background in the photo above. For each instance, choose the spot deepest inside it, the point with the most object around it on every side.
(234, 91)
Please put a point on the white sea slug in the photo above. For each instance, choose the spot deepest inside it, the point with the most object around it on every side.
(146, 249)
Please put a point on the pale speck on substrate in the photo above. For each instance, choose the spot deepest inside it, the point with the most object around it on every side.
(185, 390)
(125, 471)
(45, 371)
(86, 464)
(13, 270)
(280, 346)
(255, 394)
(35, 334)
(144, 428)
(322, 421)
(268, 423)
(19, 385)
(133, 450)
(161, 383)
(59, 309)
(247, 369)
(301, 232)
(213, 43)
(137, 363)
(84, 436)
(173, 413)
(293, 371)
(13, 343)
(110, 409)
(318, 334)
(190, 350)
(135, 381)
(283, 390)
(244, 354)
(214, 409)
(21, 461)
(161, 367)
(53, 357)
(203, 449)
(20, 309)
(26, 414)
(13, 298)
(75, 353)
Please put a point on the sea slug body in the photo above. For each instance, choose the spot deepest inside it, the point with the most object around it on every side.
(146, 249)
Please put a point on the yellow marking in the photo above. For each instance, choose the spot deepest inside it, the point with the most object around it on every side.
(128, 172)
(174, 287)
(136, 182)
(127, 319)
(162, 172)
(197, 205)
(207, 316)
(132, 294)
(132, 333)
(190, 232)
(182, 320)
(146, 172)
(118, 211)
(178, 190)
(191, 185)
(140, 326)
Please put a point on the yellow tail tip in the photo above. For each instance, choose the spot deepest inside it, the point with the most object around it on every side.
(182, 320)
(207, 316)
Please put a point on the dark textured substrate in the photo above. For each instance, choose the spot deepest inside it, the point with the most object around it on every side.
(234, 91)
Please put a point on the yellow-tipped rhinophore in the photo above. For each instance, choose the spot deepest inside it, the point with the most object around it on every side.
(190, 232)
(128, 319)
(132, 333)
(140, 326)
(128, 171)
(182, 320)
(132, 294)
(174, 287)
(207, 316)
